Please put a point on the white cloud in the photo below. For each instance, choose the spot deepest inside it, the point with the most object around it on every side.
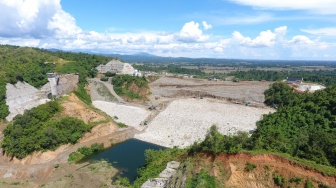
(36, 18)
(206, 26)
(316, 6)
(191, 33)
(63, 25)
(304, 42)
(265, 38)
(43, 23)
(300, 39)
(328, 31)
(281, 30)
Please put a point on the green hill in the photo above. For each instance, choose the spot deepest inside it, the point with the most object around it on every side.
(31, 65)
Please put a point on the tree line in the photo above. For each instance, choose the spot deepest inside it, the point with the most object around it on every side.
(325, 77)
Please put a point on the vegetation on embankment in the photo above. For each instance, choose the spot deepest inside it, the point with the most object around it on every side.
(304, 126)
(156, 162)
(85, 151)
(204, 163)
(131, 87)
(39, 129)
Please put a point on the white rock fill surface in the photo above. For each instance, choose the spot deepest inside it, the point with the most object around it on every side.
(129, 115)
(185, 121)
(22, 96)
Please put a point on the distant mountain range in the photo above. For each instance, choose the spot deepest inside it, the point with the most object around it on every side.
(147, 58)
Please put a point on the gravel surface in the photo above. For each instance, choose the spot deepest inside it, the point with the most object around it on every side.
(251, 91)
(187, 120)
(129, 115)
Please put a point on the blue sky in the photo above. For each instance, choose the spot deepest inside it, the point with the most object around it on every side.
(249, 29)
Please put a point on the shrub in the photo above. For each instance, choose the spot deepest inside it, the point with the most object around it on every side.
(296, 180)
(97, 147)
(110, 74)
(75, 157)
(122, 181)
(279, 180)
(85, 150)
(121, 125)
(250, 166)
(104, 79)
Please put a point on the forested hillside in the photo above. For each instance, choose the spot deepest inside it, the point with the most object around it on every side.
(32, 64)
(38, 130)
(305, 125)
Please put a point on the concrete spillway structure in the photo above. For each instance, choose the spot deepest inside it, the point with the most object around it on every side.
(53, 81)
(22, 96)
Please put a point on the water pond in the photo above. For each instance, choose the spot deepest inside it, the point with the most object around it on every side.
(127, 156)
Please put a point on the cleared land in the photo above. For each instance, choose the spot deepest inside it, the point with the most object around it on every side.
(129, 115)
(185, 121)
(251, 91)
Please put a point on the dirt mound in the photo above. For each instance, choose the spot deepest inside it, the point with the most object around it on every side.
(143, 92)
(74, 107)
(232, 171)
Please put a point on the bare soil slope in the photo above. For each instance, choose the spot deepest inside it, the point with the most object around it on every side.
(230, 171)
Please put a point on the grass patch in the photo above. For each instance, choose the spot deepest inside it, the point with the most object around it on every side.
(202, 179)
(104, 91)
(121, 125)
(82, 94)
(309, 184)
(85, 151)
